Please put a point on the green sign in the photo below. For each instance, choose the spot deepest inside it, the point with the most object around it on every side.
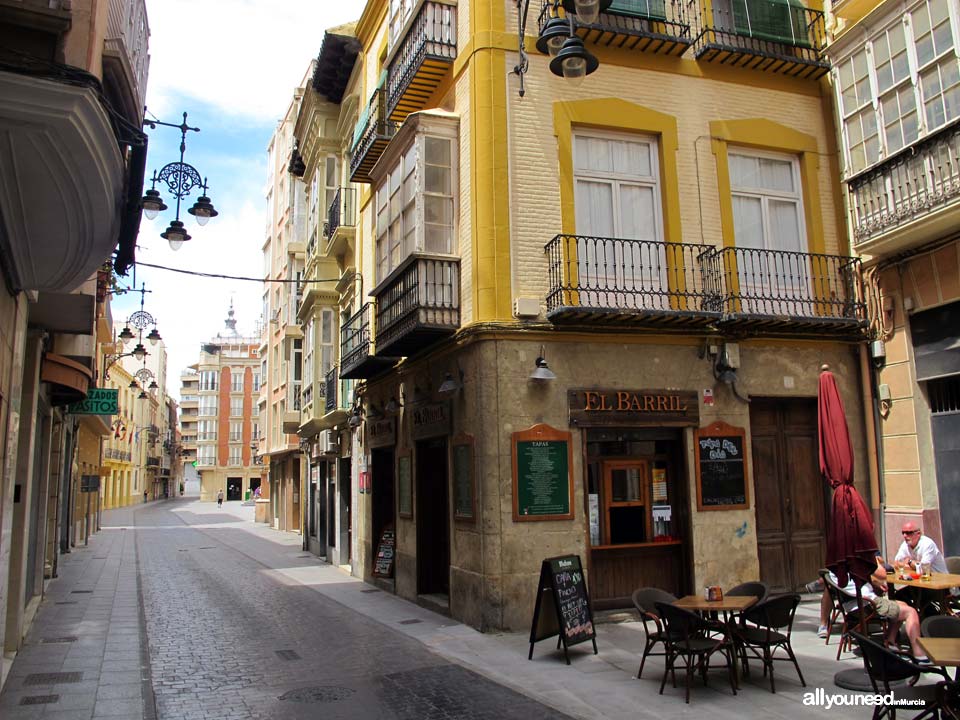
(542, 488)
(99, 401)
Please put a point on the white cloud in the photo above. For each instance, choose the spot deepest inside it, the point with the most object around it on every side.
(243, 56)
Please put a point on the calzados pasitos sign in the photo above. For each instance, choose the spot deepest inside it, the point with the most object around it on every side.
(99, 401)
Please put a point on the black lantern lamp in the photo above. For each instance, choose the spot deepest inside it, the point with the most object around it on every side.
(126, 334)
(573, 62)
(587, 11)
(143, 395)
(555, 31)
(133, 385)
(153, 385)
(139, 352)
(181, 179)
(154, 337)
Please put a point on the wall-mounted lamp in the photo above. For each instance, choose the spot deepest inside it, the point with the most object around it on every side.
(356, 418)
(725, 368)
(450, 384)
(373, 412)
(541, 371)
(392, 406)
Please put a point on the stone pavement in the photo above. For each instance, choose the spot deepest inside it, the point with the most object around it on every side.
(243, 624)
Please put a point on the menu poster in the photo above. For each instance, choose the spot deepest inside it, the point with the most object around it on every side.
(721, 467)
(464, 483)
(542, 474)
(404, 485)
(563, 605)
(383, 564)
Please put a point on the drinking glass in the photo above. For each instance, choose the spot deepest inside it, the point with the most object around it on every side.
(924, 571)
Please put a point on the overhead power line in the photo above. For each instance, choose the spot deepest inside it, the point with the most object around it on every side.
(233, 277)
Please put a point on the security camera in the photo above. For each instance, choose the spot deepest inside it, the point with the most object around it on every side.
(878, 352)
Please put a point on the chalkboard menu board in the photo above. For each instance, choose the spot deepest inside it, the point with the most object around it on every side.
(563, 605)
(542, 466)
(721, 468)
(383, 564)
(404, 485)
(464, 487)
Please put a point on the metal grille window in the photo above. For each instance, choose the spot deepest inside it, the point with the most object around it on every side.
(208, 380)
(944, 394)
(206, 455)
(234, 457)
(236, 431)
(236, 407)
(207, 405)
(236, 380)
(859, 117)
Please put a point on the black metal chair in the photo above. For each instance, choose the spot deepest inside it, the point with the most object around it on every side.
(948, 697)
(858, 616)
(940, 626)
(686, 638)
(885, 667)
(644, 600)
(767, 628)
(758, 589)
(953, 564)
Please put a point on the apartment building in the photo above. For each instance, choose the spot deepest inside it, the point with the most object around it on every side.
(223, 387)
(282, 339)
(72, 86)
(897, 83)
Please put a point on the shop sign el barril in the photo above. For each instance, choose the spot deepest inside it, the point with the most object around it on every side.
(381, 433)
(613, 407)
(431, 420)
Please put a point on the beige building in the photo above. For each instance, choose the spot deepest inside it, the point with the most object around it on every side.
(897, 82)
(223, 388)
(71, 107)
(282, 341)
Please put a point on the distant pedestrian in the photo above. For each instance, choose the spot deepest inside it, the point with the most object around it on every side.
(144, 495)
(219, 498)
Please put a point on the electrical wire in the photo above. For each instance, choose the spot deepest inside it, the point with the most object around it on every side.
(234, 277)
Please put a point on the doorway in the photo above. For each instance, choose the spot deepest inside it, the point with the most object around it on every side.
(432, 518)
(346, 511)
(944, 396)
(254, 484)
(791, 509)
(383, 502)
(234, 485)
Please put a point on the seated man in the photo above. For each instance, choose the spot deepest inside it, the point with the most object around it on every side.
(918, 548)
(894, 612)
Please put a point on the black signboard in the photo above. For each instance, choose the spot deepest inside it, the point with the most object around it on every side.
(464, 489)
(721, 468)
(89, 483)
(383, 565)
(563, 605)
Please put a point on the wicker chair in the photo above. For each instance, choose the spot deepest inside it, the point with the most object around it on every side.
(644, 600)
(768, 627)
(940, 626)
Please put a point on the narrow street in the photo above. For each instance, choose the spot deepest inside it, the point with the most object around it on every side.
(229, 634)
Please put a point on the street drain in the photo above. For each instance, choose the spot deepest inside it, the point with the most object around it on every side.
(287, 654)
(39, 699)
(318, 694)
(53, 678)
(410, 622)
(64, 639)
(372, 590)
(208, 547)
(80, 592)
(65, 602)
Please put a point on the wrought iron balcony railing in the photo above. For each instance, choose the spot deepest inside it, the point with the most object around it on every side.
(342, 211)
(330, 382)
(779, 36)
(799, 287)
(306, 396)
(635, 282)
(426, 54)
(591, 276)
(371, 136)
(921, 179)
(418, 303)
(658, 26)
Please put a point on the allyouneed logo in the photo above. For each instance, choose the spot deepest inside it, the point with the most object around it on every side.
(820, 698)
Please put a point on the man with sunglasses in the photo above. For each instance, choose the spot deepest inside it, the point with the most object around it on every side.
(918, 548)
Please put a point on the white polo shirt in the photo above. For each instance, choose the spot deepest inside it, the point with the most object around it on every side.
(926, 551)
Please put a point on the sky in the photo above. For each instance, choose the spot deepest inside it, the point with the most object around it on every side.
(232, 66)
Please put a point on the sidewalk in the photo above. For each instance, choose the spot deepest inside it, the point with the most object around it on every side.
(87, 647)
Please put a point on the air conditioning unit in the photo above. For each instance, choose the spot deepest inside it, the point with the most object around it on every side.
(329, 442)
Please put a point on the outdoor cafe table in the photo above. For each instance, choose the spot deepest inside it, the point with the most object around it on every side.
(940, 583)
(942, 651)
(730, 603)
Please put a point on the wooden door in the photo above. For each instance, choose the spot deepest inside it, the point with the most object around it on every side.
(791, 512)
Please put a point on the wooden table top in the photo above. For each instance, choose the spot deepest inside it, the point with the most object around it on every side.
(697, 603)
(941, 651)
(937, 581)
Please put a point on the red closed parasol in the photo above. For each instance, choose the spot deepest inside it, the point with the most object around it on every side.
(851, 545)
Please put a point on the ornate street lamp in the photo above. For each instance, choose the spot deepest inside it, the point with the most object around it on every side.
(181, 179)
(140, 320)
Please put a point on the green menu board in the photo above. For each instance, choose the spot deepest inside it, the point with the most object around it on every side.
(404, 485)
(542, 463)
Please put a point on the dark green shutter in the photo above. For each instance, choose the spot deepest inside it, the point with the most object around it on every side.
(783, 21)
(653, 9)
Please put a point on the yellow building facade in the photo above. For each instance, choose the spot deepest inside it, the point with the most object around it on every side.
(630, 269)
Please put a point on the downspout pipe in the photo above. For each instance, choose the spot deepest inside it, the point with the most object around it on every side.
(871, 421)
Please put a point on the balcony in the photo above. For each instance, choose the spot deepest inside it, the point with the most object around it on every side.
(417, 304)
(776, 36)
(655, 26)
(291, 412)
(342, 222)
(291, 323)
(913, 191)
(777, 290)
(357, 359)
(126, 58)
(371, 136)
(336, 408)
(153, 462)
(632, 283)
(424, 57)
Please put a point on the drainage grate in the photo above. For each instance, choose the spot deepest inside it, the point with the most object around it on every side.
(410, 622)
(307, 555)
(64, 639)
(66, 602)
(100, 558)
(39, 699)
(208, 547)
(373, 590)
(80, 592)
(183, 550)
(53, 678)
(319, 694)
(287, 654)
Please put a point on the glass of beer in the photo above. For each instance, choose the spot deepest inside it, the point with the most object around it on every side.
(924, 571)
